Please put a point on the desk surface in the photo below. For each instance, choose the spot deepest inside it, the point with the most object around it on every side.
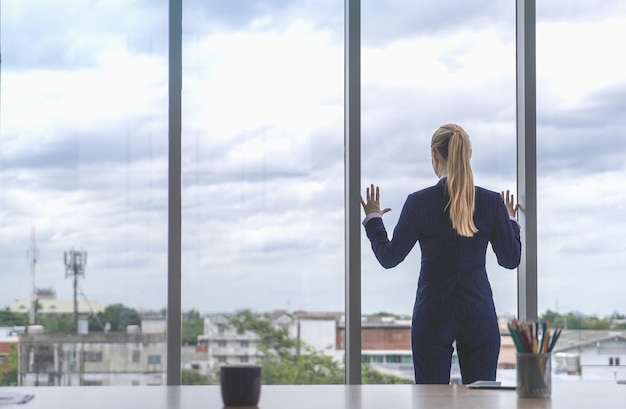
(566, 395)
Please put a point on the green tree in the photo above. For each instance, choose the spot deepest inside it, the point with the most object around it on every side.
(57, 323)
(9, 318)
(596, 323)
(308, 368)
(193, 325)
(370, 375)
(576, 321)
(384, 314)
(273, 340)
(617, 320)
(191, 377)
(118, 315)
(287, 360)
(572, 321)
(8, 370)
(554, 318)
(619, 326)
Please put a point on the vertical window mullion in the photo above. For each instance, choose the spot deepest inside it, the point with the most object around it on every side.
(352, 142)
(527, 157)
(174, 309)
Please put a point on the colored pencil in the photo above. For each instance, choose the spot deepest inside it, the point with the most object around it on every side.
(555, 337)
(533, 337)
(519, 346)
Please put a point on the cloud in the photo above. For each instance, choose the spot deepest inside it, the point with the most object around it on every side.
(83, 154)
(391, 20)
(584, 139)
(578, 11)
(210, 17)
(77, 40)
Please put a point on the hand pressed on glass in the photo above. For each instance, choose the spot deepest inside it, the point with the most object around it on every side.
(509, 201)
(372, 205)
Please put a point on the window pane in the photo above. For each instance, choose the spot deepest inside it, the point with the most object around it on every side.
(581, 166)
(263, 214)
(83, 187)
(425, 64)
(581, 150)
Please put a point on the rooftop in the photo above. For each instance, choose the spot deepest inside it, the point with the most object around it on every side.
(51, 306)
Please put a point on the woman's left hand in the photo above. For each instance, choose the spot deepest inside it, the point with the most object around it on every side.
(509, 201)
(372, 205)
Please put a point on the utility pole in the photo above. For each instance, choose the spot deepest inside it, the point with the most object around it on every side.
(75, 263)
(33, 256)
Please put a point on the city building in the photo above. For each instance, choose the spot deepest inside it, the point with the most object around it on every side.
(385, 340)
(591, 354)
(222, 343)
(385, 344)
(559, 112)
(129, 358)
(316, 331)
(46, 306)
(507, 358)
(8, 340)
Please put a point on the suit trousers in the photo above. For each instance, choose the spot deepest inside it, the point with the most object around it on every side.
(477, 344)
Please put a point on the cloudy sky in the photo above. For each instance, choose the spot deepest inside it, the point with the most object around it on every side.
(83, 145)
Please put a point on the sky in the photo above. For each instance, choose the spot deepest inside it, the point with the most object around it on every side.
(83, 145)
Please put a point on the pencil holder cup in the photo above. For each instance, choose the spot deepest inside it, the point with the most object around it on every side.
(534, 375)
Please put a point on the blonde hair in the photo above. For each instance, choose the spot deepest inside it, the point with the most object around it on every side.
(454, 146)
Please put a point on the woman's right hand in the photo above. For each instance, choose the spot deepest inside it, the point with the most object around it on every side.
(509, 201)
(372, 205)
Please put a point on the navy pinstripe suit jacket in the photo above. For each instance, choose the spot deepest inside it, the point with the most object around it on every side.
(453, 279)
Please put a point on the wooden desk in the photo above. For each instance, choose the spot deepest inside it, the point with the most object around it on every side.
(565, 395)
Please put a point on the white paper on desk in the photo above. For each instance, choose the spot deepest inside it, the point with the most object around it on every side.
(12, 398)
(489, 385)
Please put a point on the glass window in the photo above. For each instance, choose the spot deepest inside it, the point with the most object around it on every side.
(393, 359)
(581, 162)
(93, 356)
(263, 203)
(154, 359)
(84, 168)
(263, 155)
(424, 65)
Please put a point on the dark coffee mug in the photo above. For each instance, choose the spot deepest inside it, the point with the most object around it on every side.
(241, 384)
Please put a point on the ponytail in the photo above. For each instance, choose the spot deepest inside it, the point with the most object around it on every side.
(453, 144)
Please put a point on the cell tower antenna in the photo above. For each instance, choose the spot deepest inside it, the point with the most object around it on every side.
(75, 263)
(33, 256)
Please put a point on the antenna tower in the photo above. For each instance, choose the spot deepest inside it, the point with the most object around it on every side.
(33, 256)
(75, 263)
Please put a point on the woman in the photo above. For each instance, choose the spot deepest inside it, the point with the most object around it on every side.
(453, 221)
